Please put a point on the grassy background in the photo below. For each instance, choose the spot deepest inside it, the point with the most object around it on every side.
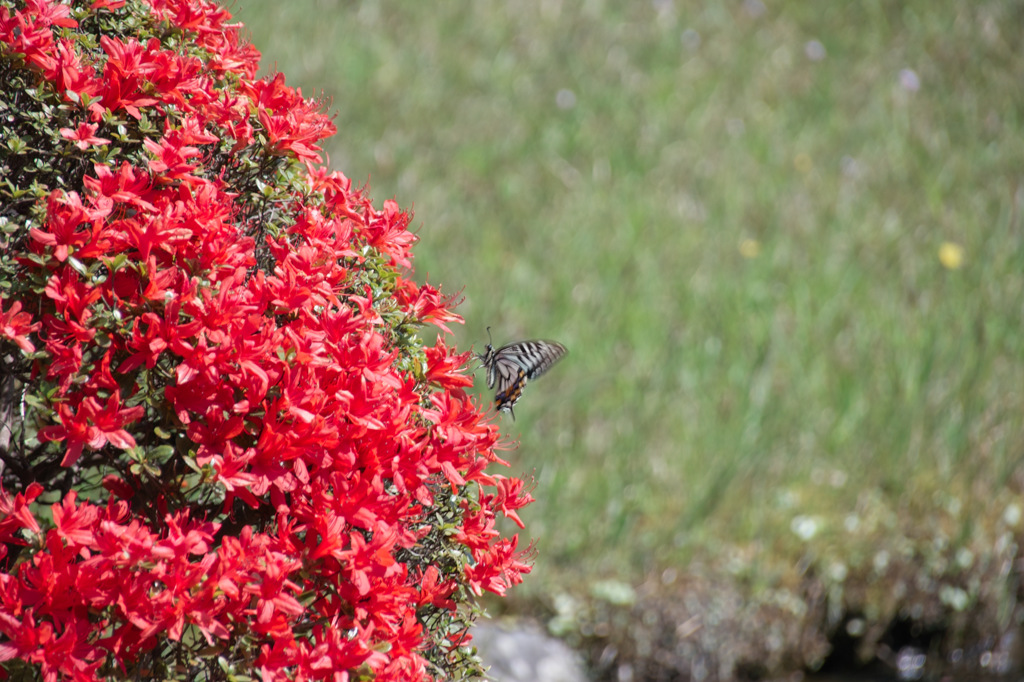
(732, 214)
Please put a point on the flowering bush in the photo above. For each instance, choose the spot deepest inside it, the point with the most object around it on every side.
(225, 452)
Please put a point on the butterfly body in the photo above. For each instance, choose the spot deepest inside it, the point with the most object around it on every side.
(510, 367)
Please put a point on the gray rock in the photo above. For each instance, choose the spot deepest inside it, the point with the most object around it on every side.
(523, 652)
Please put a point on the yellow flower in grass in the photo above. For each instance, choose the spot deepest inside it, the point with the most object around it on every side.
(951, 255)
(750, 248)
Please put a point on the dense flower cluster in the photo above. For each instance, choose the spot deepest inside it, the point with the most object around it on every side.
(225, 450)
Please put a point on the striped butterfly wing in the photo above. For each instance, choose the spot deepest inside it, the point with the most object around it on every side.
(511, 366)
(506, 399)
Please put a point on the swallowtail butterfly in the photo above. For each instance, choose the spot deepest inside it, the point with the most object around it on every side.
(512, 365)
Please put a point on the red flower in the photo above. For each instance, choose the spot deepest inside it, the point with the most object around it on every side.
(16, 325)
(427, 304)
(292, 125)
(500, 566)
(94, 425)
(511, 495)
(84, 136)
(71, 226)
(71, 75)
(447, 370)
(170, 158)
(17, 514)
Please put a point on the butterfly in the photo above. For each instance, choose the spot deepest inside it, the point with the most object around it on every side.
(512, 365)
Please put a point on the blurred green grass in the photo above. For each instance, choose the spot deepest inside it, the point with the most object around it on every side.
(732, 215)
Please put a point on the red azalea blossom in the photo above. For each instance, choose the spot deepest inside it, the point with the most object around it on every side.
(17, 325)
(254, 464)
(84, 136)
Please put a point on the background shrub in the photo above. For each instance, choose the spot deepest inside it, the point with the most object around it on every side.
(226, 452)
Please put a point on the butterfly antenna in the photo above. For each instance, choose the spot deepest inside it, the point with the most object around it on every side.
(480, 357)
